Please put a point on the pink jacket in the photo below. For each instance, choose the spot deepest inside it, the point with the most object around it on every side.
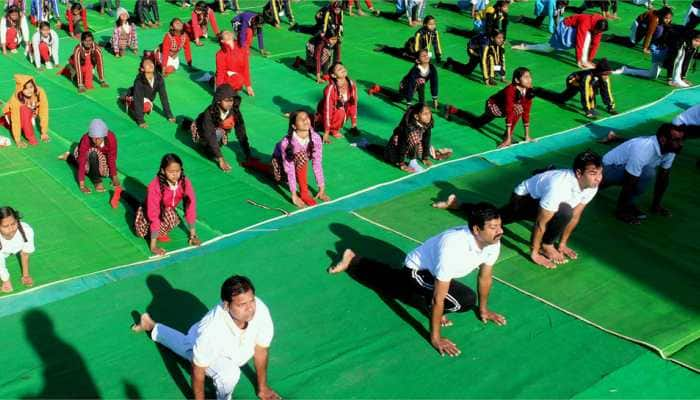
(157, 197)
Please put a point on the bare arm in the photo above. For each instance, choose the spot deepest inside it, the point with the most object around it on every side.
(628, 187)
(24, 260)
(485, 280)
(198, 375)
(261, 358)
(442, 345)
(569, 229)
(662, 180)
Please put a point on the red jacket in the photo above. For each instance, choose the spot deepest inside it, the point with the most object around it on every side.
(109, 149)
(158, 197)
(329, 104)
(83, 17)
(584, 23)
(198, 24)
(172, 44)
(233, 59)
(514, 105)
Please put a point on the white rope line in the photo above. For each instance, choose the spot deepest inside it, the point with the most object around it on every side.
(538, 298)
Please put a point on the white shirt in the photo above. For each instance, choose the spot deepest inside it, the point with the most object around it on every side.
(217, 338)
(424, 71)
(302, 141)
(639, 153)
(17, 244)
(452, 254)
(555, 187)
(690, 116)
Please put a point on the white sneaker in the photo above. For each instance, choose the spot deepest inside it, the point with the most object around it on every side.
(49, 65)
(416, 167)
(679, 84)
(13, 51)
(619, 71)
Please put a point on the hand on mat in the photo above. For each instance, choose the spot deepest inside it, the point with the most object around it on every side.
(486, 316)
(104, 84)
(143, 126)
(157, 251)
(84, 188)
(6, 287)
(250, 91)
(327, 138)
(427, 162)
(567, 251)
(321, 195)
(266, 393)
(45, 138)
(194, 240)
(298, 201)
(115, 181)
(21, 144)
(445, 347)
(224, 165)
(27, 281)
(539, 259)
(662, 211)
(172, 120)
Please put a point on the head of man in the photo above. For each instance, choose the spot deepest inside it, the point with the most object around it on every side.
(238, 296)
(485, 224)
(670, 138)
(588, 168)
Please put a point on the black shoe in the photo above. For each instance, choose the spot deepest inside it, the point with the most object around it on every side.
(612, 111)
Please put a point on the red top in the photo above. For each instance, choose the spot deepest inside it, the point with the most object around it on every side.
(83, 17)
(171, 46)
(198, 22)
(584, 23)
(157, 196)
(232, 58)
(329, 104)
(514, 105)
(109, 149)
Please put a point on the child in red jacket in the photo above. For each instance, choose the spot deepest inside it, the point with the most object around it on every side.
(76, 16)
(339, 104)
(168, 54)
(197, 27)
(232, 65)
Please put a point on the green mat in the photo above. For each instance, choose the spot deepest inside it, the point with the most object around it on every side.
(334, 337)
(648, 294)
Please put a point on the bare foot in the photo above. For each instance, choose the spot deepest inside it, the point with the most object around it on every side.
(146, 324)
(450, 203)
(541, 260)
(505, 143)
(553, 254)
(64, 156)
(344, 264)
(565, 250)
(612, 137)
(6, 287)
(445, 322)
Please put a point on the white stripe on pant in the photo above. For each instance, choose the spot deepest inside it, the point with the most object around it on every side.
(224, 371)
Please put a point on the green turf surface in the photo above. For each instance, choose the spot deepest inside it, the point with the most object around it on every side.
(347, 342)
(334, 337)
(649, 294)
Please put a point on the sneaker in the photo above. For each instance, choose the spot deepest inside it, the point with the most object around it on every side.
(679, 84)
(619, 71)
(49, 65)
(416, 166)
(612, 111)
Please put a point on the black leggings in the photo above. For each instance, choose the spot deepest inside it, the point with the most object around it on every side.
(409, 286)
(526, 208)
(463, 69)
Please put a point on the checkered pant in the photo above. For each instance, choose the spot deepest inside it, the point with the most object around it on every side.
(103, 167)
(300, 160)
(168, 221)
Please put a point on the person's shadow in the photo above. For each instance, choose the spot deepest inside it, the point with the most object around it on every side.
(179, 310)
(382, 280)
(64, 370)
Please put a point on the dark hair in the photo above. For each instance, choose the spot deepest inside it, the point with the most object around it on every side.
(86, 35)
(480, 213)
(335, 84)
(588, 157)
(11, 212)
(662, 12)
(172, 22)
(20, 94)
(427, 19)
(12, 9)
(499, 4)
(421, 51)
(234, 286)
(664, 130)
(601, 26)
(76, 6)
(200, 6)
(44, 24)
(494, 33)
(409, 122)
(561, 3)
(289, 151)
(163, 180)
(518, 74)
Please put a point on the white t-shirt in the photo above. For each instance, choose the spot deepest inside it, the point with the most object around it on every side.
(17, 244)
(451, 254)
(639, 153)
(217, 337)
(555, 187)
(690, 116)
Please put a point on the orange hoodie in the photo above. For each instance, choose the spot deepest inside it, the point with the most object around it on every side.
(13, 104)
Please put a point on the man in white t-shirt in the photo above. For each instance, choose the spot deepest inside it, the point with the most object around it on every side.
(15, 237)
(428, 281)
(689, 122)
(555, 200)
(226, 338)
(634, 163)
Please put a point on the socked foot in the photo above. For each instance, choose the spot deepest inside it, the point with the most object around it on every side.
(344, 264)
(445, 322)
(146, 324)
(450, 203)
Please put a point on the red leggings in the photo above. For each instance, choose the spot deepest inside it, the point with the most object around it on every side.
(337, 120)
(44, 52)
(11, 39)
(25, 122)
(86, 70)
(236, 81)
